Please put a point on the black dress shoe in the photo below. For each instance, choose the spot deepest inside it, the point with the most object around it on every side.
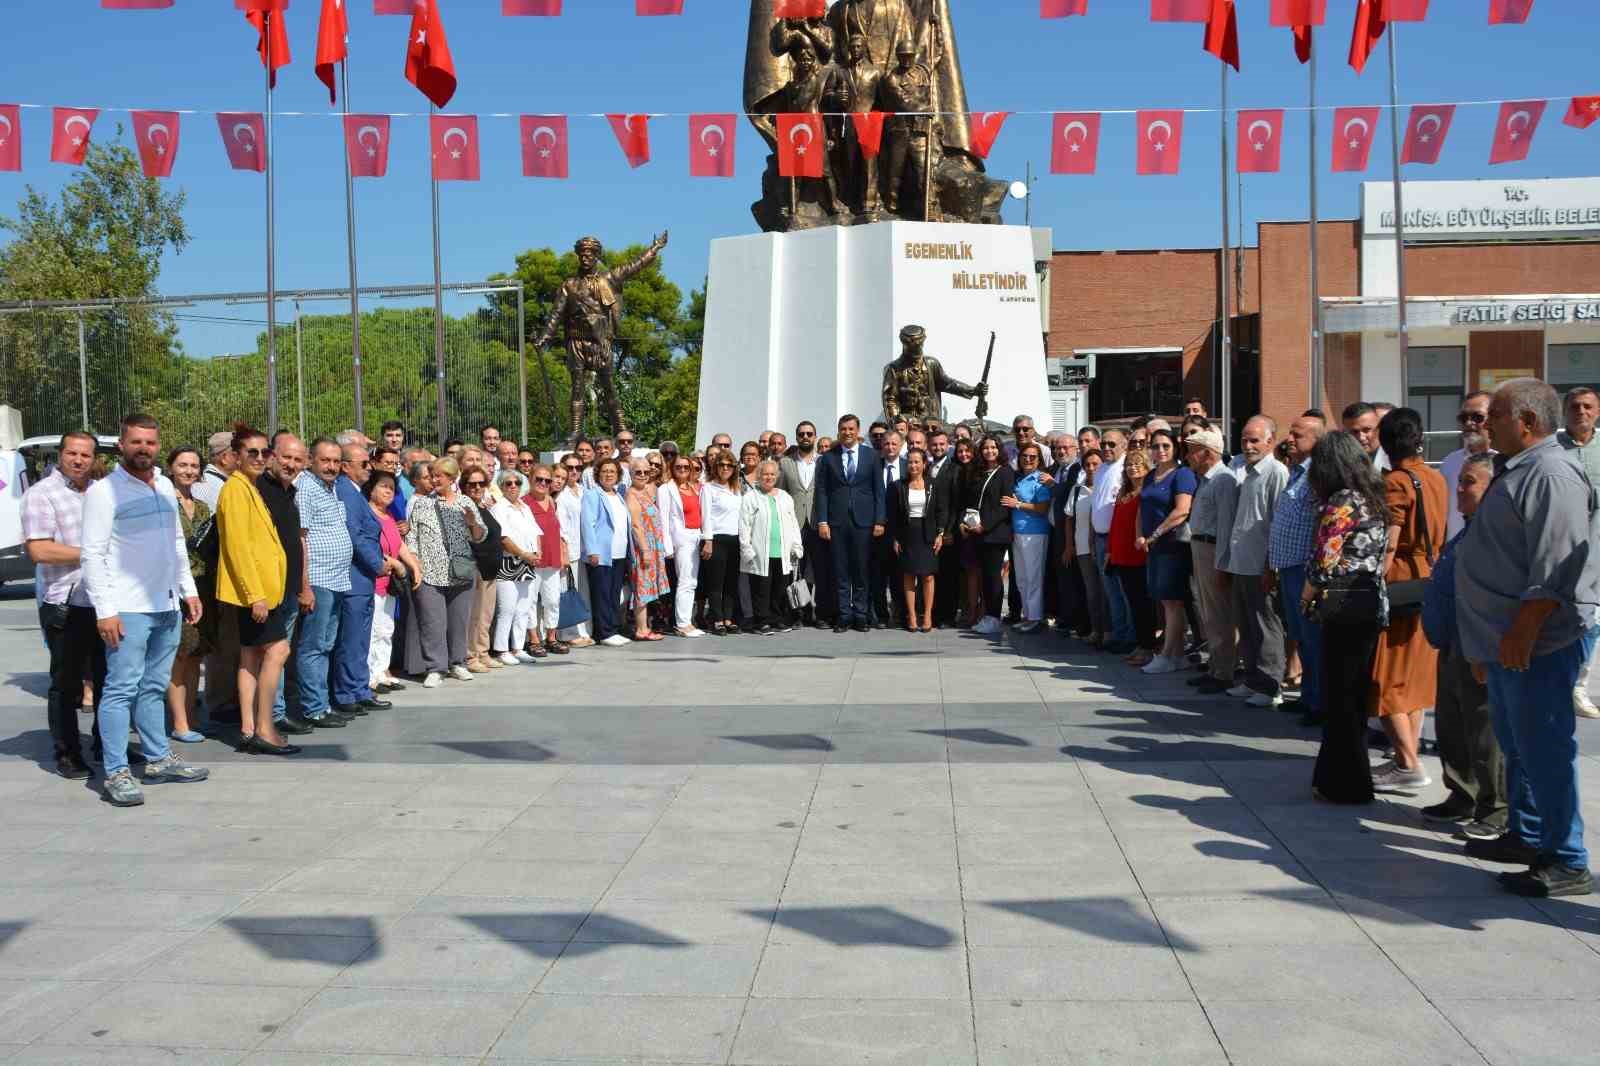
(840, 627)
(349, 710)
(329, 721)
(859, 627)
(71, 768)
(375, 704)
(295, 726)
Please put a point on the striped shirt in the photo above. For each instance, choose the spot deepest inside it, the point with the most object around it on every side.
(53, 510)
(328, 547)
(1294, 522)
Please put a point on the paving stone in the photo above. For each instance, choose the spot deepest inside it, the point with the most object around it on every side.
(398, 1021)
(653, 969)
(861, 971)
(844, 1032)
(1071, 973)
(214, 1016)
(1017, 1032)
(1335, 1033)
(686, 1029)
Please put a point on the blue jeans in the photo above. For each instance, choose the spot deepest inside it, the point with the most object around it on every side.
(1122, 629)
(319, 628)
(1535, 724)
(1306, 633)
(280, 712)
(138, 671)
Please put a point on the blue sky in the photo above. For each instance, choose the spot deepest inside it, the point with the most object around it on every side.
(600, 57)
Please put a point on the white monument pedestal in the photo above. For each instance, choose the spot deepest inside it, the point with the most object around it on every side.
(799, 325)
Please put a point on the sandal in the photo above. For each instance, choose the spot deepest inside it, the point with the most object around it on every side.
(649, 635)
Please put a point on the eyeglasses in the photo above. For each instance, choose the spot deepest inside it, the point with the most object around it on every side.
(803, 434)
(541, 481)
(624, 442)
(474, 484)
(362, 463)
(525, 462)
(255, 453)
(1471, 416)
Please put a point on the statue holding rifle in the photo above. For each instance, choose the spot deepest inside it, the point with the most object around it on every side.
(589, 308)
(914, 383)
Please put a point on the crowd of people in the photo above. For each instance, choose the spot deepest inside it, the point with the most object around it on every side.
(1326, 571)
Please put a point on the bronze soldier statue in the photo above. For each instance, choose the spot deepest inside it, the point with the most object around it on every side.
(907, 93)
(802, 94)
(850, 84)
(589, 308)
(913, 383)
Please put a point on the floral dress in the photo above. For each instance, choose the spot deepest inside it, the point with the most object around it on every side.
(649, 572)
(1351, 539)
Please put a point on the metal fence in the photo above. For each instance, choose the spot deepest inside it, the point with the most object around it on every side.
(199, 363)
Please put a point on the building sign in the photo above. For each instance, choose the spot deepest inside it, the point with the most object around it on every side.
(1533, 312)
(1540, 209)
(1489, 380)
(1018, 286)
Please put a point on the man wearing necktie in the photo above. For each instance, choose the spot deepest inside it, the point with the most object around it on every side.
(849, 514)
(884, 573)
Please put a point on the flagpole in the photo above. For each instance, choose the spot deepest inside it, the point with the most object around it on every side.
(272, 284)
(1225, 331)
(1316, 289)
(438, 293)
(350, 243)
(1399, 213)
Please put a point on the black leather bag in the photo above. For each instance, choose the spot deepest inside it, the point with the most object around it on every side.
(1348, 599)
(1405, 597)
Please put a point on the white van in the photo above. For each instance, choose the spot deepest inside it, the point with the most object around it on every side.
(20, 467)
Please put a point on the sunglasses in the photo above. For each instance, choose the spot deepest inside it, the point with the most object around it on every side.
(255, 453)
(541, 481)
(474, 484)
(1471, 416)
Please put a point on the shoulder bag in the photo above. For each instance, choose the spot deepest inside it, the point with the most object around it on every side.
(462, 571)
(1348, 598)
(1405, 597)
(573, 611)
(972, 517)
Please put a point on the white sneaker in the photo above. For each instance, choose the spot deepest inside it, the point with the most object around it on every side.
(509, 659)
(1394, 779)
(431, 681)
(1261, 699)
(691, 632)
(1241, 692)
(1161, 664)
(460, 673)
(522, 657)
(616, 640)
(1583, 705)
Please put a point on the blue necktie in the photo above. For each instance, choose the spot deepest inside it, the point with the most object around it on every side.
(849, 464)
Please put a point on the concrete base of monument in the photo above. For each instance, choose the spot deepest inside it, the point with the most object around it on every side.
(800, 325)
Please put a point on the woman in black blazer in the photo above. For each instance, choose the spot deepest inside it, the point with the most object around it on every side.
(988, 522)
(919, 515)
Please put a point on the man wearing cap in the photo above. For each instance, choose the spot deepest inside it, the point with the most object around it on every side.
(906, 93)
(1211, 509)
(914, 383)
(220, 462)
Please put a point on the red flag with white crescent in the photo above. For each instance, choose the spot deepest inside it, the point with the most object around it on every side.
(1509, 11)
(1075, 143)
(366, 143)
(10, 137)
(1583, 112)
(1180, 10)
(244, 137)
(799, 9)
(135, 5)
(1425, 133)
(544, 146)
(428, 63)
(1260, 141)
(711, 144)
(156, 133)
(1514, 129)
(1160, 141)
(801, 145)
(658, 7)
(985, 127)
(333, 43)
(1060, 9)
(530, 7)
(69, 136)
(869, 131)
(455, 147)
(1353, 131)
(633, 136)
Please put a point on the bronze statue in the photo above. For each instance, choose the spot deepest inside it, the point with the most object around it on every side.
(850, 85)
(914, 383)
(959, 189)
(802, 94)
(589, 308)
(906, 92)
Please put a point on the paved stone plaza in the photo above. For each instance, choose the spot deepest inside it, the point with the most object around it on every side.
(794, 851)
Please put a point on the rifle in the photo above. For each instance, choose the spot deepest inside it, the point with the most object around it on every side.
(983, 400)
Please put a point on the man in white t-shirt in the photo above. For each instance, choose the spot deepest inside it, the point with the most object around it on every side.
(1108, 482)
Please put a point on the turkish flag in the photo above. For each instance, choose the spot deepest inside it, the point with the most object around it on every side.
(1425, 133)
(135, 5)
(1509, 11)
(69, 137)
(428, 63)
(711, 140)
(544, 146)
(455, 147)
(1300, 16)
(366, 145)
(799, 9)
(393, 7)
(1180, 10)
(1364, 36)
(1160, 141)
(1260, 141)
(244, 137)
(869, 131)
(1513, 130)
(10, 137)
(658, 7)
(1075, 143)
(156, 133)
(1222, 32)
(1583, 111)
(984, 127)
(261, 5)
(634, 140)
(1405, 10)
(333, 43)
(801, 145)
(1353, 131)
(1060, 9)
(272, 40)
(530, 7)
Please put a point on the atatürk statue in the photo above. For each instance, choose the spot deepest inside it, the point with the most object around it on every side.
(589, 308)
(913, 384)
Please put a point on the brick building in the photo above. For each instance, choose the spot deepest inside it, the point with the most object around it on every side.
(1502, 278)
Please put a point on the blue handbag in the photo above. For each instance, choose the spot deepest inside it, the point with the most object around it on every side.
(574, 612)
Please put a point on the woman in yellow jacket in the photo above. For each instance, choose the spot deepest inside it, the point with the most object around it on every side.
(251, 573)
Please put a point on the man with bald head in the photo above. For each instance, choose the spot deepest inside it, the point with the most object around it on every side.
(349, 683)
(324, 529)
(1294, 529)
(1242, 563)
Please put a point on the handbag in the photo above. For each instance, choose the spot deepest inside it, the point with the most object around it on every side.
(574, 612)
(206, 543)
(972, 518)
(513, 569)
(1405, 597)
(800, 593)
(462, 571)
(1348, 598)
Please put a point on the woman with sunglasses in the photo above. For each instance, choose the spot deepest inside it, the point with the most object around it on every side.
(551, 563)
(648, 572)
(513, 585)
(679, 501)
(987, 523)
(1029, 503)
(569, 509)
(252, 575)
(444, 527)
(606, 530)
(1126, 556)
(400, 568)
(1164, 502)
(719, 541)
(478, 485)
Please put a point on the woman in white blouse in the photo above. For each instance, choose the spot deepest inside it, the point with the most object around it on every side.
(514, 586)
(679, 502)
(719, 542)
(569, 509)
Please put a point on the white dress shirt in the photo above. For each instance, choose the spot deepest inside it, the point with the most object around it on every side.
(135, 558)
(1108, 482)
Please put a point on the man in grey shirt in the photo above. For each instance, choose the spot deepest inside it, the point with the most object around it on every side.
(1583, 444)
(1212, 509)
(1242, 562)
(1527, 591)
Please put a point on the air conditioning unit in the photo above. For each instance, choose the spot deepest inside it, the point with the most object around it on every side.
(1069, 373)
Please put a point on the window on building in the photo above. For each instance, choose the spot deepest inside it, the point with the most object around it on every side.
(1435, 386)
(1571, 365)
(1128, 384)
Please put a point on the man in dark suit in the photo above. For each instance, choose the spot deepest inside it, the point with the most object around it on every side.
(883, 570)
(942, 470)
(850, 513)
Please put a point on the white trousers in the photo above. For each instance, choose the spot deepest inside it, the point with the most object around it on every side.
(513, 606)
(579, 572)
(545, 610)
(1027, 560)
(686, 557)
(381, 650)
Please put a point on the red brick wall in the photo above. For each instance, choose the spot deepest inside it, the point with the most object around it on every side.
(1501, 269)
(1286, 308)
